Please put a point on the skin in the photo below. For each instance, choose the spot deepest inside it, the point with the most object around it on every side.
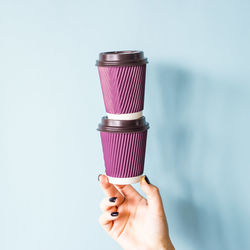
(141, 223)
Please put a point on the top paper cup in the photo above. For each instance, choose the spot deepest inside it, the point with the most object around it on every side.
(122, 75)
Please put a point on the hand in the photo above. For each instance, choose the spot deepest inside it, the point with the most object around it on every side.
(134, 222)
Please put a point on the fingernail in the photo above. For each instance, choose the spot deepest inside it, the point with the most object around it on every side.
(147, 180)
(114, 214)
(99, 177)
(112, 199)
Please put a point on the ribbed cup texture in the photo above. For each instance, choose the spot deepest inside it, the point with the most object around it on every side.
(123, 88)
(124, 153)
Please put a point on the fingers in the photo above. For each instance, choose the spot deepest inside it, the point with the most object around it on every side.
(108, 188)
(109, 202)
(107, 218)
(153, 195)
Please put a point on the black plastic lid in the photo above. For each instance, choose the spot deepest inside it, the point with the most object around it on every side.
(121, 58)
(123, 126)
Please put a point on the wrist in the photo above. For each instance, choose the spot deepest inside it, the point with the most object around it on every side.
(166, 246)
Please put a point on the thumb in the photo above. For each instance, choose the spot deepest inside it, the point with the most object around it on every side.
(152, 194)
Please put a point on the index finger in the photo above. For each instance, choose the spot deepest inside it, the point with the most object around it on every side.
(129, 192)
(108, 188)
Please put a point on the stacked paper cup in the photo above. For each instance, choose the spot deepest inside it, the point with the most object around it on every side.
(124, 130)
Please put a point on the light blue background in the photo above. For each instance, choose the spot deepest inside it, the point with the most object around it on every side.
(197, 102)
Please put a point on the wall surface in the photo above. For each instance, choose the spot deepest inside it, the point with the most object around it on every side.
(197, 102)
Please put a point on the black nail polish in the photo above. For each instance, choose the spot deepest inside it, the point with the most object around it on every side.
(147, 180)
(114, 214)
(99, 177)
(112, 199)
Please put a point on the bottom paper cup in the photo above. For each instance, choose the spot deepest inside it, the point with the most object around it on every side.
(124, 155)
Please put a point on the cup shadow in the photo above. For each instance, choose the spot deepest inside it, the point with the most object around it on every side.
(181, 157)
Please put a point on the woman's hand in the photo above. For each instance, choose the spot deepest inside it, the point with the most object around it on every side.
(134, 222)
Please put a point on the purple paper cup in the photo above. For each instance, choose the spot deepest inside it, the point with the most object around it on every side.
(124, 148)
(122, 76)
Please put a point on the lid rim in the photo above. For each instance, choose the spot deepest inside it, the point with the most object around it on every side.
(121, 58)
(124, 131)
(123, 126)
(115, 63)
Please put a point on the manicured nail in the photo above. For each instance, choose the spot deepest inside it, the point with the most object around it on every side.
(114, 214)
(99, 177)
(112, 199)
(147, 180)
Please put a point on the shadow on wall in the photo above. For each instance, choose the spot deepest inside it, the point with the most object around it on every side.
(198, 149)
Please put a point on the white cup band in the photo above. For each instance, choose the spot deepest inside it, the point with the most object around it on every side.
(124, 181)
(130, 116)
